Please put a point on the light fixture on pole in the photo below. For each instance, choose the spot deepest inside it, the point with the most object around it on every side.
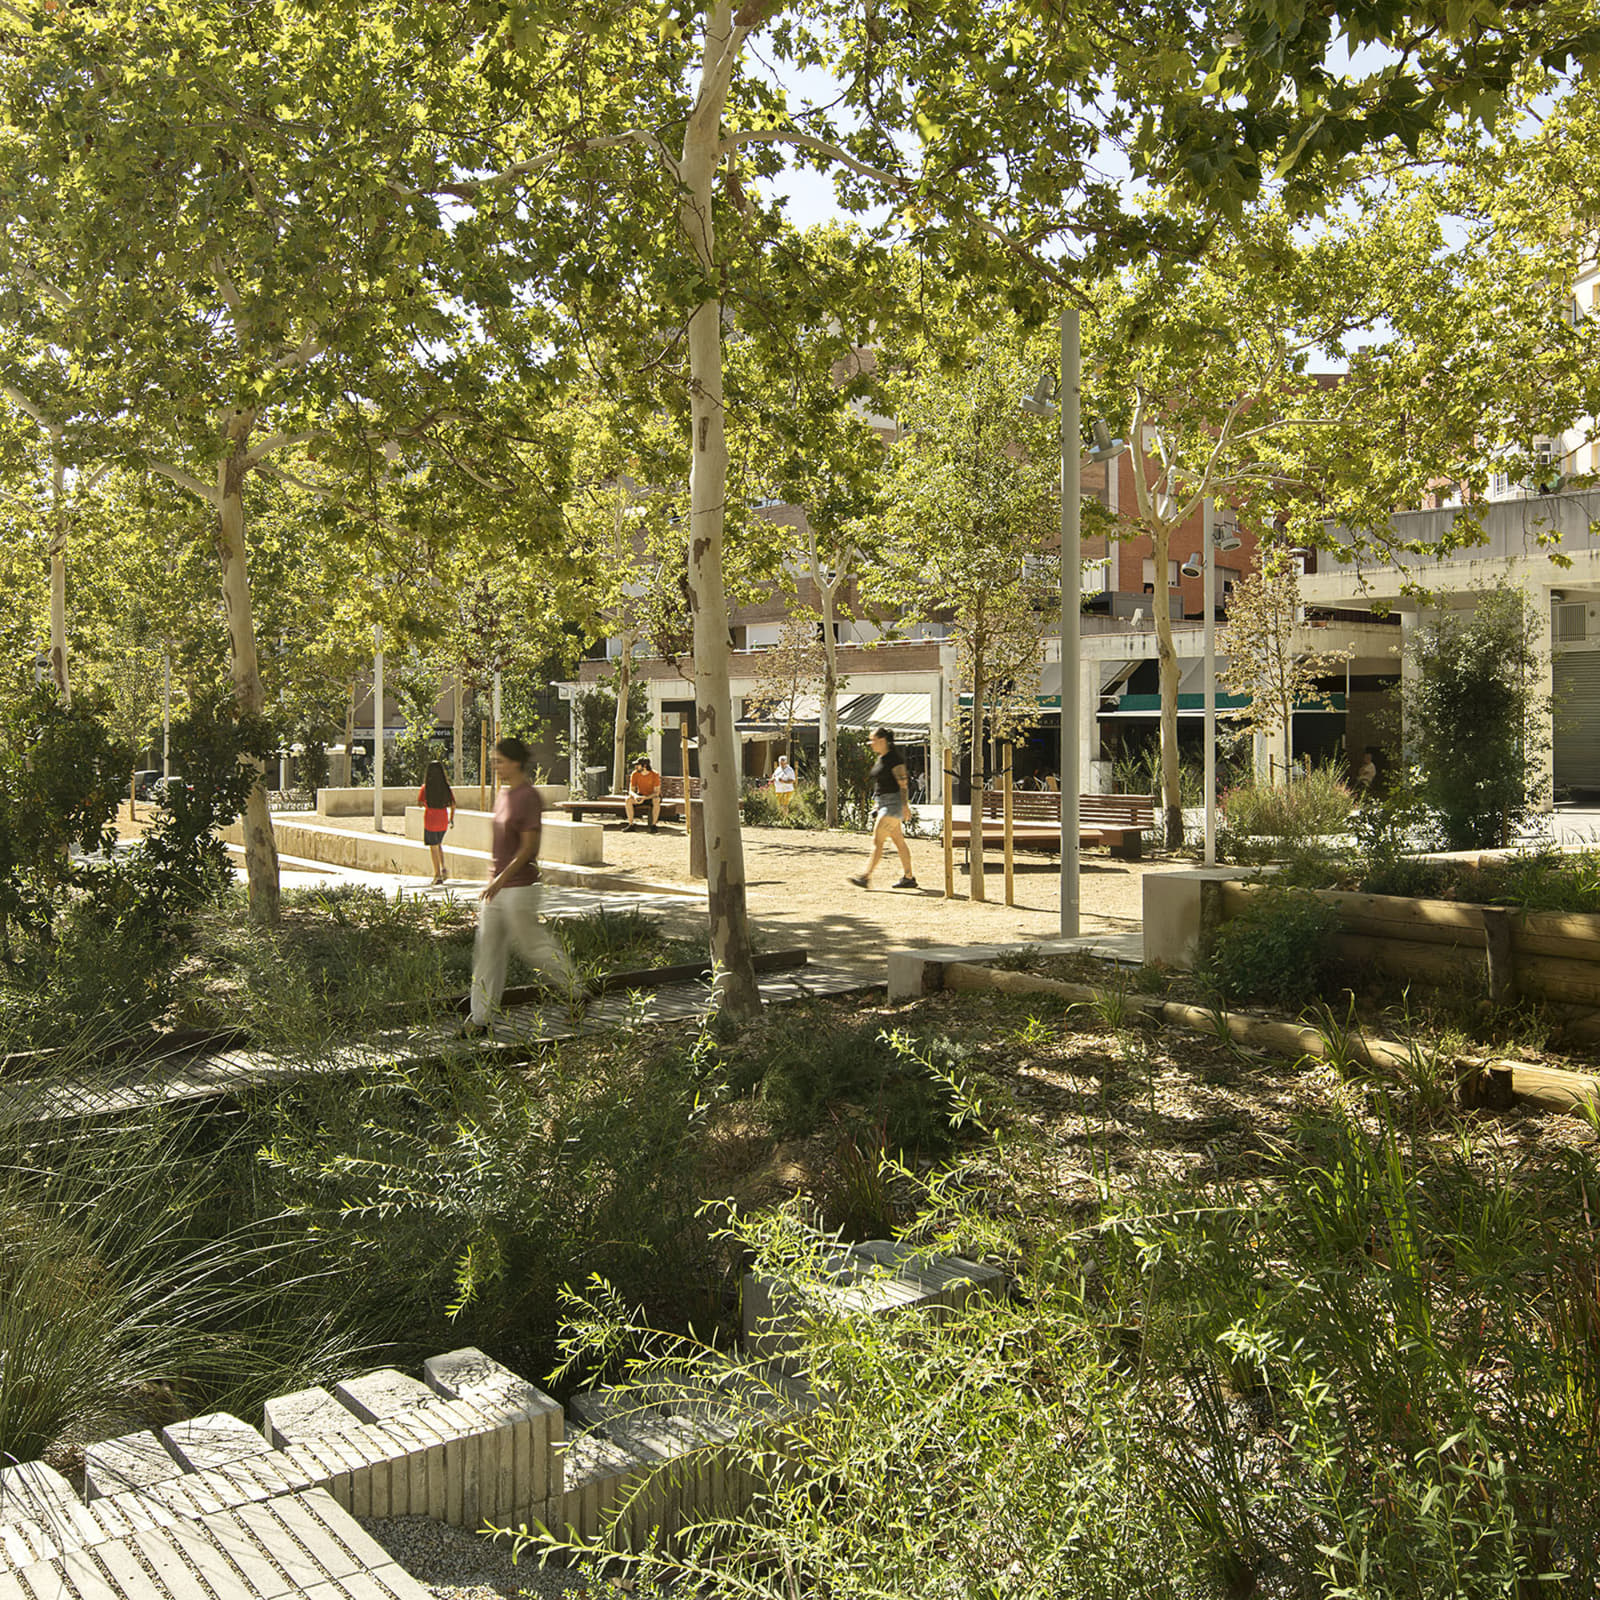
(1213, 541)
(1105, 448)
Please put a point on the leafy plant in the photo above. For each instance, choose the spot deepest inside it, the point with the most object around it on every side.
(1476, 716)
(60, 777)
(1279, 949)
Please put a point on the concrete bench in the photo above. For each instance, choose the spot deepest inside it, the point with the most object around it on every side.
(573, 843)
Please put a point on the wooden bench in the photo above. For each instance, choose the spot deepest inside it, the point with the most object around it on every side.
(1117, 821)
(617, 805)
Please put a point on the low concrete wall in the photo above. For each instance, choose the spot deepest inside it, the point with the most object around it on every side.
(579, 844)
(397, 796)
(393, 852)
(358, 802)
(1173, 912)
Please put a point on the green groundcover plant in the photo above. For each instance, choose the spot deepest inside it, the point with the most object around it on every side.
(1372, 1369)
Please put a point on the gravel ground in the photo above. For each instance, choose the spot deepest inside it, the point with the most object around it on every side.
(456, 1565)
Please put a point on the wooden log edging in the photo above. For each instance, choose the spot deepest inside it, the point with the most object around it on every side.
(1555, 1088)
(1551, 956)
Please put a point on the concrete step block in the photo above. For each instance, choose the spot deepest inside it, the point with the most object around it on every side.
(597, 1473)
(377, 1395)
(214, 1440)
(945, 1279)
(33, 1492)
(25, 1543)
(306, 1414)
(875, 1279)
(468, 1374)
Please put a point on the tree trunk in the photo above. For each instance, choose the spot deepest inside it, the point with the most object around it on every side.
(459, 728)
(1167, 659)
(58, 581)
(739, 994)
(260, 848)
(975, 781)
(619, 732)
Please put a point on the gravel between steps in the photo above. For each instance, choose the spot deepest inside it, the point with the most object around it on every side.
(456, 1565)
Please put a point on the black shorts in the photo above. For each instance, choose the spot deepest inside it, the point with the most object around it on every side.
(433, 835)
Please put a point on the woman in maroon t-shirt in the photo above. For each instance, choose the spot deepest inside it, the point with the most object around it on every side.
(438, 801)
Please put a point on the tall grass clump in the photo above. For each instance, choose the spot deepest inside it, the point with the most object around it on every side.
(1265, 822)
(137, 1286)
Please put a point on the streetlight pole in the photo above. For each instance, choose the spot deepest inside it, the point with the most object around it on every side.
(1107, 450)
(1071, 610)
(1208, 517)
(166, 715)
(377, 727)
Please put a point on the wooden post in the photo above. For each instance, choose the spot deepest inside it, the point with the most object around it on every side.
(483, 750)
(949, 833)
(1497, 954)
(133, 797)
(1010, 857)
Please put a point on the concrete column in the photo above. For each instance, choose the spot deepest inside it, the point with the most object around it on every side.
(653, 739)
(1088, 717)
(1544, 680)
(1409, 622)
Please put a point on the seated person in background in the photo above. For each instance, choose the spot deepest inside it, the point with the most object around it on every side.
(644, 783)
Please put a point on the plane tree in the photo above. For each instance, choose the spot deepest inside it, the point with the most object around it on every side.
(217, 264)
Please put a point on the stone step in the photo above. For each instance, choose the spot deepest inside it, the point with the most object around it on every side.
(295, 1546)
(877, 1278)
(606, 1486)
(385, 1393)
(33, 1492)
(134, 1461)
(313, 1413)
(213, 1440)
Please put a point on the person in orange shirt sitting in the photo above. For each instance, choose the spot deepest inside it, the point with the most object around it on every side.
(644, 783)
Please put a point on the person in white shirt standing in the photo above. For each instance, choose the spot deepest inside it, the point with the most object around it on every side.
(783, 783)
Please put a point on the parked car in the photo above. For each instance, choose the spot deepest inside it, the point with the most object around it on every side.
(158, 792)
(145, 782)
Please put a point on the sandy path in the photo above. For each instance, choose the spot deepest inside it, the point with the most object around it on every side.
(799, 889)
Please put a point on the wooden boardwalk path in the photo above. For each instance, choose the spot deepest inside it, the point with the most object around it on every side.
(189, 1074)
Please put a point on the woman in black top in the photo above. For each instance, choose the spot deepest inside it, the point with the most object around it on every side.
(892, 804)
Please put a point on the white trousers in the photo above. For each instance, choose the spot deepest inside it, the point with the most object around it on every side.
(511, 922)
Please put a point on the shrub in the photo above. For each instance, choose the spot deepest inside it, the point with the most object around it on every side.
(1280, 949)
(1475, 714)
(761, 808)
(801, 1076)
(1373, 1373)
(1300, 811)
(60, 777)
(454, 1202)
